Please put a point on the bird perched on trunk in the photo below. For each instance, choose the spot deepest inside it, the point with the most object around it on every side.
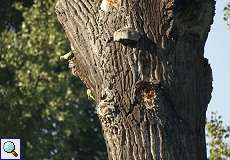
(67, 56)
(90, 94)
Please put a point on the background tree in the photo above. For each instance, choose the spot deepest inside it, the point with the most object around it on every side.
(218, 138)
(40, 101)
(144, 62)
(227, 13)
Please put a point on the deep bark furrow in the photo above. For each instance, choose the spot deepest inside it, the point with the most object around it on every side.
(131, 145)
(79, 18)
(85, 6)
(153, 141)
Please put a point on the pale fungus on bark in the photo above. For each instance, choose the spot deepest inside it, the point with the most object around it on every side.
(144, 62)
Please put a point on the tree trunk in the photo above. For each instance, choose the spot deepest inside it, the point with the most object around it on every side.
(144, 62)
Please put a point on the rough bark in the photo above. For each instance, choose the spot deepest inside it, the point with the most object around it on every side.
(144, 61)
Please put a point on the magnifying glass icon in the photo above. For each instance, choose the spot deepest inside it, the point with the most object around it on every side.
(9, 147)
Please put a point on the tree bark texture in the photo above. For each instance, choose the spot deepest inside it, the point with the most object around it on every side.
(144, 62)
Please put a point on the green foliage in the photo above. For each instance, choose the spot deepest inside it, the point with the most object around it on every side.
(218, 136)
(11, 17)
(227, 13)
(40, 101)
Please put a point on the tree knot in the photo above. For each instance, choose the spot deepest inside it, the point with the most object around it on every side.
(148, 94)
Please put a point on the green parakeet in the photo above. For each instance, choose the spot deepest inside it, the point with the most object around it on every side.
(67, 56)
(90, 94)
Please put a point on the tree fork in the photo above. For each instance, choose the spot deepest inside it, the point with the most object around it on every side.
(144, 62)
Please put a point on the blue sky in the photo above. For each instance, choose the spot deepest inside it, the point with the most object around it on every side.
(217, 50)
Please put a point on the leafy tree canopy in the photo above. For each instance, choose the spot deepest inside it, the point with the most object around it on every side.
(218, 138)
